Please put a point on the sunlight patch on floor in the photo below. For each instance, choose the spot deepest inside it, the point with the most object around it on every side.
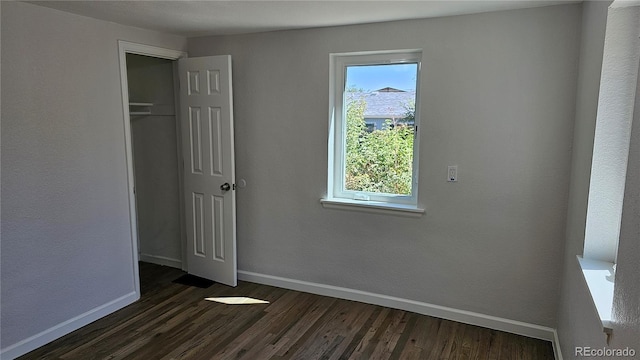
(237, 300)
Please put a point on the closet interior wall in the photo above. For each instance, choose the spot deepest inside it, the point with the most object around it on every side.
(155, 158)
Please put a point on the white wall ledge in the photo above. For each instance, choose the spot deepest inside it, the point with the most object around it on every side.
(375, 207)
(600, 279)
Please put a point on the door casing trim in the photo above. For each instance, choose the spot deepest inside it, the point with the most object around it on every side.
(124, 48)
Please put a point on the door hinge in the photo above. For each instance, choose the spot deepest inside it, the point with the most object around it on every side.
(234, 186)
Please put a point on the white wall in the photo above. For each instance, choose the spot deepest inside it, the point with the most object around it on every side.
(578, 323)
(498, 100)
(155, 155)
(626, 303)
(613, 124)
(66, 244)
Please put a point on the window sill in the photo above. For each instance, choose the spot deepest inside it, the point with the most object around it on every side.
(600, 278)
(374, 207)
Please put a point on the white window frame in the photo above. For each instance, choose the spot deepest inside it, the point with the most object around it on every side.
(337, 129)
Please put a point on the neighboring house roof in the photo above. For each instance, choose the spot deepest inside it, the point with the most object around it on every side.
(386, 102)
(389, 89)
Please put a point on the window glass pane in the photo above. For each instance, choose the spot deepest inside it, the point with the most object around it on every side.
(379, 103)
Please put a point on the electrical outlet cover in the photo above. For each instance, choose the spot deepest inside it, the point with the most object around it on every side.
(452, 173)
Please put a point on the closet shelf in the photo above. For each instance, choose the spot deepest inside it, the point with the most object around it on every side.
(140, 108)
(147, 108)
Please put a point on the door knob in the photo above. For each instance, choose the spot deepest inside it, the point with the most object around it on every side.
(225, 187)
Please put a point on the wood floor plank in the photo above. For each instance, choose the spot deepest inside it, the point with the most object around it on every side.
(243, 343)
(429, 340)
(307, 336)
(173, 321)
(389, 338)
(370, 339)
(470, 348)
(410, 350)
(359, 335)
(363, 314)
(495, 345)
(332, 332)
(457, 343)
(444, 340)
(287, 343)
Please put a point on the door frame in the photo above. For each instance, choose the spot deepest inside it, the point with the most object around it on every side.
(124, 48)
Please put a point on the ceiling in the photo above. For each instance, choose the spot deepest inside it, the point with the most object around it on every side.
(200, 18)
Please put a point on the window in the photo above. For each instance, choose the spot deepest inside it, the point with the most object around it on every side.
(373, 141)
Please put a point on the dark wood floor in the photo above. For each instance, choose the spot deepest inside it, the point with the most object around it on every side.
(173, 321)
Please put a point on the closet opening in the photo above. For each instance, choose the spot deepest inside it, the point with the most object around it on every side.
(156, 163)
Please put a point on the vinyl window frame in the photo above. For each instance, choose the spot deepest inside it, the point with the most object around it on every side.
(337, 195)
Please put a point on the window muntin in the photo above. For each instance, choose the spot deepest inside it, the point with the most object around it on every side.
(374, 121)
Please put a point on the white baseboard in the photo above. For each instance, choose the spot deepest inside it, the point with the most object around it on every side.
(22, 347)
(161, 260)
(443, 312)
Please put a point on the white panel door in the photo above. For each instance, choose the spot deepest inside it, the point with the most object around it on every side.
(206, 116)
